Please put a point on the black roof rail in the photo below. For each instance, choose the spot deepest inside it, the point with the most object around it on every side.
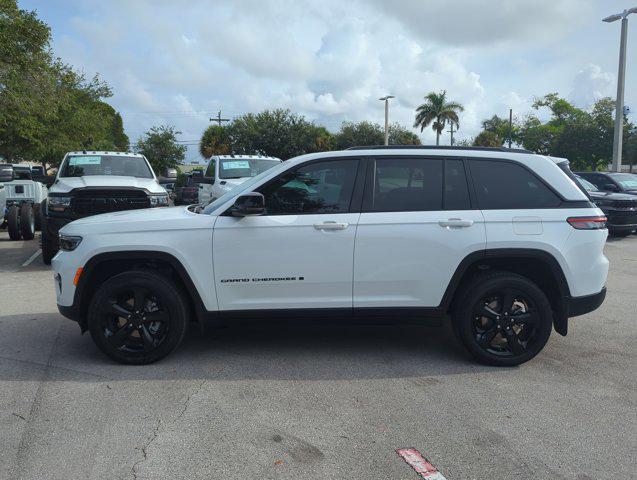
(441, 147)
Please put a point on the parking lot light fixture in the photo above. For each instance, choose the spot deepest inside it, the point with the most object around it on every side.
(619, 102)
(386, 100)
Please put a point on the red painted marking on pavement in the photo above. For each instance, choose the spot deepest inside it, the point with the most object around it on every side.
(420, 464)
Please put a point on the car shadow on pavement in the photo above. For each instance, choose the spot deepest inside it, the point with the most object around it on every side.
(47, 344)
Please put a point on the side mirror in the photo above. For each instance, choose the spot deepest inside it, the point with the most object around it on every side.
(171, 173)
(611, 187)
(207, 180)
(248, 205)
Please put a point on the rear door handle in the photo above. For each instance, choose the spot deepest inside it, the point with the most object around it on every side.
(455, 223)
(331, 226)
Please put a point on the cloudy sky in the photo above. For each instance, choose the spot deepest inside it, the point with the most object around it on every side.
(179, 62)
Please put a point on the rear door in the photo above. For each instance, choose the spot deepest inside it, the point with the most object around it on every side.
(417, 225)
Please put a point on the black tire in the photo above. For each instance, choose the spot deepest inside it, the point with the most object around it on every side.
(118, 317)
(503, 319)
(619, 233)
(27, 222)
(13, 223)
(37, 215)
(48, 242)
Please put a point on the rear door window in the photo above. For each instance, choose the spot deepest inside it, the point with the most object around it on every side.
(407, 184)
(456, 189)
(504, 185)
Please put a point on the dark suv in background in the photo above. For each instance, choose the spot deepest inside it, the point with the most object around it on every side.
(620, 208)
(612, 182)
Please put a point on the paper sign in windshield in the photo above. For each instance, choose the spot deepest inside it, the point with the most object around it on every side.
(235, 164)
(85, 160)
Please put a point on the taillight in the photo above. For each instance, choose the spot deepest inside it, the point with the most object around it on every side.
(587, 223)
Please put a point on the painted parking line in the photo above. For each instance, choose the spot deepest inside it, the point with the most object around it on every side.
(32, 257)
(420, 464)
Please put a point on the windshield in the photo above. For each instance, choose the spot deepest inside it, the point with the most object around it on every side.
(628, 181)
(245, 186)
(81, 165)
(244, 167)
(587, 185)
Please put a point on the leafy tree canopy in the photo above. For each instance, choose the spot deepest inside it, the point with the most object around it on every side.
(159, 145)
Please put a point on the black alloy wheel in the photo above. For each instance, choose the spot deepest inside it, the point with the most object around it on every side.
(503, 319)
(138, 317)
(505, 322)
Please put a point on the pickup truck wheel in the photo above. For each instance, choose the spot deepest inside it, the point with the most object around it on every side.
(27, 222)
(37, 216)
(138, 317)
(48, 242)
(13, 223)
(503, 319)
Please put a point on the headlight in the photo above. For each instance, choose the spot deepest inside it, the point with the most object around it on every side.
(159, 200)
(58, 204)
(69, 243)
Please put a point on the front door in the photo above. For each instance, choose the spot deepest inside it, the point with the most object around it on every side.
(299, 255)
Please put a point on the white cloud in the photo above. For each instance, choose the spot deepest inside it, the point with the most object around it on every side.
(327, 59)
(591, 84)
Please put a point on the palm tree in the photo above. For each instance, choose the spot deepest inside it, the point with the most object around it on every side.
(437, 112)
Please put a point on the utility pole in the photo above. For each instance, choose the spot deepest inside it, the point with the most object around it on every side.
(619, 103)
(386, 100)
(451, 132)
(510, 125)
(219, 119)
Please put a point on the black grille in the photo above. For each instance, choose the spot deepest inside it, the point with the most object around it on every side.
(93, 202)
(625, 203)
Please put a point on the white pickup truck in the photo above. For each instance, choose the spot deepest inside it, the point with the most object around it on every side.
(227, 171)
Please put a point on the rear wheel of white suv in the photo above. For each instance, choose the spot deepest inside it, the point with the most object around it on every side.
(138, 317)
(503, 319)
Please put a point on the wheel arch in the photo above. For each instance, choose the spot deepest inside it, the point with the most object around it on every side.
(539, 266)
(105, 265)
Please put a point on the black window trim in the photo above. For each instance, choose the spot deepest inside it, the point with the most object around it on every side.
(357, 191)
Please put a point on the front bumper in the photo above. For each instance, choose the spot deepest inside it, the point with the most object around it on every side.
(576, 306)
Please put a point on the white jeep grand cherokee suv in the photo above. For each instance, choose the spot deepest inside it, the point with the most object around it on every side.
(502, 242)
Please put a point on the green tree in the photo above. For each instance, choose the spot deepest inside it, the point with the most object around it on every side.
(399, 135)
(584, 137)
(215, 140)
(437, 112)
(359, 134)
(279, 133)
(46, 107)
(487, 138)
(159, 145)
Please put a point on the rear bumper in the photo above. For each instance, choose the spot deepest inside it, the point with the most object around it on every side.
(577, 306)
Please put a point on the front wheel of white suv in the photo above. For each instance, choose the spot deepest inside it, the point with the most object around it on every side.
(503, 319)
(138, 317)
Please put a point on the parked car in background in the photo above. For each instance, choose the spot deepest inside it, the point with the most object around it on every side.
(612, 182)
(6, 175)
(620, 208)
(501, 243)
(89, 183)
(24, 199)
(227, 171)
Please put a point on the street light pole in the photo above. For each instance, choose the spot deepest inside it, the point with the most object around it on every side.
(386, 100)
(619, 102)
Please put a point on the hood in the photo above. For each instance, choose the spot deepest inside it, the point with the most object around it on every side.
(233, 182)
(145, 220)
(66, 184)
(611, 196)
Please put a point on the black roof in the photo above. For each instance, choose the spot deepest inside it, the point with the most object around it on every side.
(441, 147)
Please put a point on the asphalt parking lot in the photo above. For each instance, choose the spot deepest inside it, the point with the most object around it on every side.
(331, 402)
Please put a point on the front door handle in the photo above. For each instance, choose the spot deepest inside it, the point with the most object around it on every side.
(331, 226)
(455, 223)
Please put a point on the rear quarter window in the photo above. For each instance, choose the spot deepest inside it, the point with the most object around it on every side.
(502, 185)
